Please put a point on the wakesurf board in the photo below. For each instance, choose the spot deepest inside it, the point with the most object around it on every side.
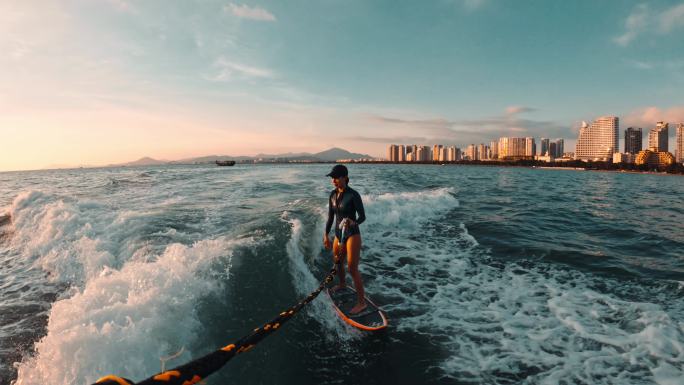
(370, 319)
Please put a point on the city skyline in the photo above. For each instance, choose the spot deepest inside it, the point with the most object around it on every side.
(102, 82)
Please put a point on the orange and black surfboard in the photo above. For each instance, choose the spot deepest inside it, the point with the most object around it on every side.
(370, 319)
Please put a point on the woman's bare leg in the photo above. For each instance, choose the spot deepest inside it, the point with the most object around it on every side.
(353, 256)
(340, 266)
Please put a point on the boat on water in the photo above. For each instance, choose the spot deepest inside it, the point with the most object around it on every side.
(225, 163)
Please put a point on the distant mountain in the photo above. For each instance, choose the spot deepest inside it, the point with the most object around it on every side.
(282, 156)
(335, 153)
(146, 161)
(329, 155)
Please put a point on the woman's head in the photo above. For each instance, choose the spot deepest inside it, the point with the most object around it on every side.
(339, 175)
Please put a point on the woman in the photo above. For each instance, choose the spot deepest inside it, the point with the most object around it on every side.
(343, 205)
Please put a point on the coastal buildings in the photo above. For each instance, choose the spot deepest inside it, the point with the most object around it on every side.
(679, 143)
(393, 153)
(598, 141)
(454, 153)
(530, 147)
(544, 146)
(470, 152)
(494, 148)
(624, 157)
(483, 152)
(560, 147)
(436, 151)
(633, 140)
(516, 148)
(657, 137)
(654, 159)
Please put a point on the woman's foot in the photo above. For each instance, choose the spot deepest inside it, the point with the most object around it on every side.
(358, 308)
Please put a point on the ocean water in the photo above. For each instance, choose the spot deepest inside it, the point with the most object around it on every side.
(488, 275)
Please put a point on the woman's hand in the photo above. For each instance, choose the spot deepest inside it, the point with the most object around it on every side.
(326, 242)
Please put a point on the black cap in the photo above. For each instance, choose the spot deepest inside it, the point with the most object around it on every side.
(338, 171)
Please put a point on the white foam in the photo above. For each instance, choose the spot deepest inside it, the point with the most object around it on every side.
(501, 322)
(62, 236)
(124, 320)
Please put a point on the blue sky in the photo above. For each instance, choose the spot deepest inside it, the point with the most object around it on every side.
(95, 82)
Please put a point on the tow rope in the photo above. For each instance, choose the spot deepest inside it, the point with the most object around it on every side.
(194, 371)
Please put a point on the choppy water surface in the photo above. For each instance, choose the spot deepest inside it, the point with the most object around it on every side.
(488, 275)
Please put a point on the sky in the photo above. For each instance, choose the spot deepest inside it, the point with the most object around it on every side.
(95, 82)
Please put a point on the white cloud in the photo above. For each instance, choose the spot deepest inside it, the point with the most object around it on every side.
(648, 116)
(672, 18)
(512, 110)
(229, 70)
(643, 20)
(246, 12)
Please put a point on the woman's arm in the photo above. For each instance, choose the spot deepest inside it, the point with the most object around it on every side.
(358, 204)
(331, 218)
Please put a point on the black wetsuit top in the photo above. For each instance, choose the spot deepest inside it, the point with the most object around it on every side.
(346, 205)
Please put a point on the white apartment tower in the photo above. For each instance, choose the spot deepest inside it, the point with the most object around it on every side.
(393, 153)
(471, 152)
(598, 141)
(482, 152)
(451, 153)
(657, 138)
(494, 148)
(436, 151)
(402, 153)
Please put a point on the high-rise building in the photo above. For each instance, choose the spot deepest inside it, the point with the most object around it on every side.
(657, 137)
(679, 147)
(530, 147)
(633, 140)
(471, 152)
(494, 148)
(544, 146)
(436, 150)
(482, 151)
(393, 153)
(515, 148)
(420, 154)
(452, 152)
(443, 154)
(552, 150)
(427, 154)
(560, 148)
(402, 153)
(598, 141)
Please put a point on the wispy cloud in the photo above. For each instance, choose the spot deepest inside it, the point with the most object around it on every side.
(513, 110)
(638, 64)
(229, 70)
(246, 12)
(672, 18)
(643, 20)
(461, 132)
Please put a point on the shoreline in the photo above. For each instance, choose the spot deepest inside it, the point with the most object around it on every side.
(679, 169)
